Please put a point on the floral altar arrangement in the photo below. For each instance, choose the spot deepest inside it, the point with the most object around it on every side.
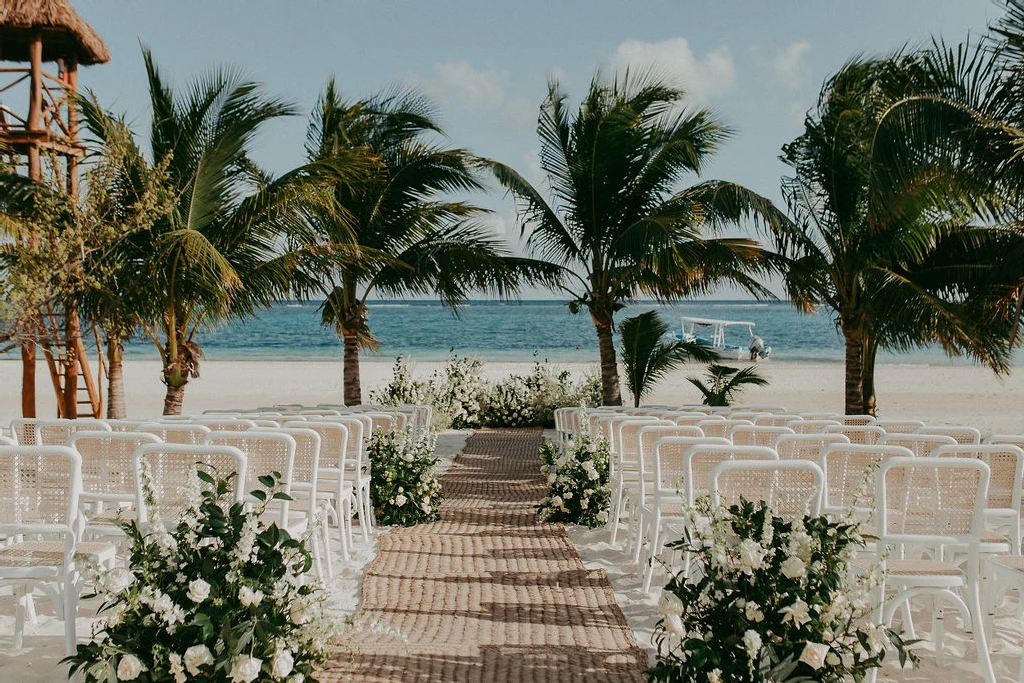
(221, 597)
(580, 491)
(768, 600)
(403, 487)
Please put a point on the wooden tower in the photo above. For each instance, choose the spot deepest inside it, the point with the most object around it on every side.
(54, 41)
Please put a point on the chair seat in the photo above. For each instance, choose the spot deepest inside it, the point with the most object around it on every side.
(897, 568)
(1014, 562)
(110, 517)
(51, 553)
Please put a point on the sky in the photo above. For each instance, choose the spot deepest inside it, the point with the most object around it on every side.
(758, 64)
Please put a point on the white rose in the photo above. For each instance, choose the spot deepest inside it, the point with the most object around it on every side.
(799, 613)
(248, 597)
(408, 457)
(793, 568)
(814, 655)
(715, 676)
(297, 678)
(752, 611)
(129, 668)
(401, 500)
(752, 643)
(198, 591)
(593, 475)
(175, 669)
(245, 669)
(557, 501)
(197, 656)
(602, 516)
(674, 625)
(751, 554)
(282, 663)
(117, 580)
(297, 611)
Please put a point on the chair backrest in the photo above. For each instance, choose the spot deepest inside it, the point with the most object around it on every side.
(176, 432)
(1012, 439)
(899, 426)
(962, 434)
(721, 427)
(758, 408)
(307, 454)
(669, 465)
(266, 451)
(23, 430)
(628, 436)
(757, 435)
(749, 415)
(804, 446)
(792, 488)
(1006, 466)
(7, 441)
(40, 487)
(126, 425)
(172, 467)
(225, 424)
(849, 469)
(920, 444)
(55, 432)
(693, 418)
(615, 428)
(812, 415)
(777, 419)
(384, 421)
(862, 434)
(334, 441)
(930, 500)
(700, 458)
(856, 420)
(107, 463)
(807, 426)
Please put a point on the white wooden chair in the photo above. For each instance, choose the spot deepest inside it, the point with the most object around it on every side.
(757, 435)
(898, 426)
(862, 434)
(849, 490)
(792, 488)
(921, 444)
(962, 434)
(804, 446)
(180, 432)
(172, 467)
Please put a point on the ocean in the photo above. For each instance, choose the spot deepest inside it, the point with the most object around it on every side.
(514, 331)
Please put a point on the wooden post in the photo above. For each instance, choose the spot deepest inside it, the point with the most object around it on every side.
(35, 172)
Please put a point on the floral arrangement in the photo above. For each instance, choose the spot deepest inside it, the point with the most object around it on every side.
(461, 399)
(403, 487)
(768, 600)
(580, 492)
(221, 597)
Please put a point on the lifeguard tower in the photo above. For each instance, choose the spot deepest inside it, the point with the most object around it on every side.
(39, 121)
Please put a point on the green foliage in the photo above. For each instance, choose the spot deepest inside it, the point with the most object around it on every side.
(403, 488)
(725, 382)
(580, 491)
(768, 599)
(223, 597)
(648, 357)
(403, 389)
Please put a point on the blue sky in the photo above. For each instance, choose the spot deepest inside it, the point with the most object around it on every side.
(759, 64)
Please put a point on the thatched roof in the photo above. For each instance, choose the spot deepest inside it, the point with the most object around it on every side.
(64, 32)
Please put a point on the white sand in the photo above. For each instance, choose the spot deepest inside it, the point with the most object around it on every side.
(938, 393)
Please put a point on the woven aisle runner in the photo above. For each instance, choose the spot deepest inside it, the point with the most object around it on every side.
(487, 593)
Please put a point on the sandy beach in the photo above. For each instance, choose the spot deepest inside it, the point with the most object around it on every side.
(944, 394)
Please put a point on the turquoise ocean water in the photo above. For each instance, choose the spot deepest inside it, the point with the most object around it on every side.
(500, 331)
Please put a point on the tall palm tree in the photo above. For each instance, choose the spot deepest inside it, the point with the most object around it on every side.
(216, 254)
(882, 200)
(410, 237)
(617, 224)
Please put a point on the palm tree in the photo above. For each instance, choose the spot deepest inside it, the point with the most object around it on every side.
(882, 204)
(617, 225)
(725, 382)
(647, 356)
(216, 254)
(409, 237)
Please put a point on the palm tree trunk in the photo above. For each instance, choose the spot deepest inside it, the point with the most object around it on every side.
(176, 376)
(353, 390)
(115, 381)
(28, 378)
(854, 369)
(610, 395)
(870, 401)
(173, 400)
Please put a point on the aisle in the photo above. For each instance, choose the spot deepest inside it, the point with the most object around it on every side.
(487, 593)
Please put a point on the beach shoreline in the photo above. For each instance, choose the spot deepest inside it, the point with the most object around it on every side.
(943, 394)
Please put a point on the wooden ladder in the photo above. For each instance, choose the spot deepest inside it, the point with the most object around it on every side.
(60, 354)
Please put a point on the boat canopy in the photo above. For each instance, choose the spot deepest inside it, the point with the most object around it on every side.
(718, 328)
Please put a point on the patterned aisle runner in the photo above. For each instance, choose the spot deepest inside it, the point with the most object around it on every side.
(487, 593)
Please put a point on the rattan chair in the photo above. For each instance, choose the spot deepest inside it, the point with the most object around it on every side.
(722, 427)
(171, 468)
(808, 426)
(624, 467)
(224, 424)
(757, 435)
(306, 505)
(920, 444)
(933, 503)
(39, 518)
(899, 426)
(266, 452)
(863, 434)
(179, 432)
(849, 491)
(963, 435)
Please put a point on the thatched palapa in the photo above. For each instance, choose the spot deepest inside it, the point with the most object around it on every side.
(65, 34)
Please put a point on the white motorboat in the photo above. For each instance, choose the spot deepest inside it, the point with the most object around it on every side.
(712, 333)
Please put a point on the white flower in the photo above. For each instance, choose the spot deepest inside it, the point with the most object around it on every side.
(674, 625)
(129, 668)
(814, 655)
(752, 643)
(669, 603)
(593, 475)
(117, 580)
(401, 500)
(245, 669)
(175, 669)
(250, 598)
(282, 663)
(297, 678)
(602, 516)
(751, 555)
(793, 568)
(197, 656)
(798, 613)
(715, 676)
(198, 590)
(752, 611)
(556, 501)
(297, 611)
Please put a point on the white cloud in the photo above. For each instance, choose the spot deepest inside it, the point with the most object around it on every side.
(459, 84)
(703, 78)
(790, 65)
